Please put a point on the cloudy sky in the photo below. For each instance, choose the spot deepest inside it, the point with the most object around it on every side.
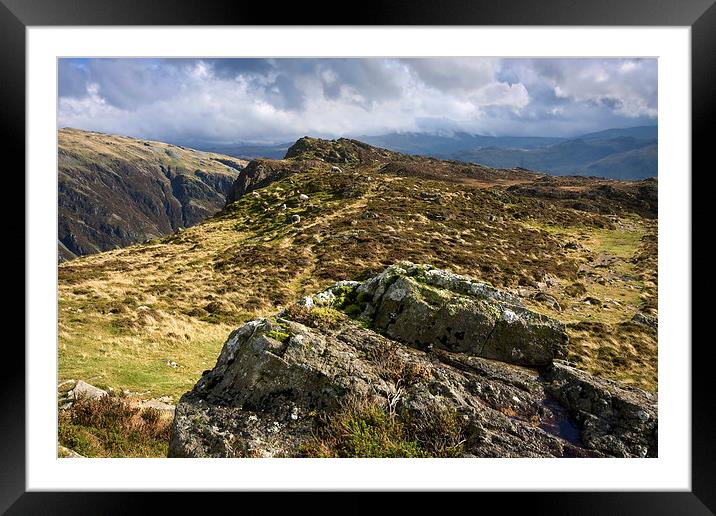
(277, 100)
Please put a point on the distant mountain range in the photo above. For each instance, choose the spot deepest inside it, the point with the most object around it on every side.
(629, 153)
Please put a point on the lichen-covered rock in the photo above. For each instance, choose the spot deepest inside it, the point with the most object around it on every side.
(268, 378)
(276, 381)
(314, 382)
(429, 307)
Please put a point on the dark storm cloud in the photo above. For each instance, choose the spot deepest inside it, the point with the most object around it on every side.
(369, 80)
(459, 74)
(278, 99)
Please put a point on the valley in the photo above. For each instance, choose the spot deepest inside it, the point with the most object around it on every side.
(114, 191)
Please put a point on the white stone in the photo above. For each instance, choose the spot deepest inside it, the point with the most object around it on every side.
(509, 316)
(86, 391)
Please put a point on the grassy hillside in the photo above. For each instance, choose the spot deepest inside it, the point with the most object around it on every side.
(115, 191)
(125, 313)
(641, 163)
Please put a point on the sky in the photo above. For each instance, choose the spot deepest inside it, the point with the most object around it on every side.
(225, 101)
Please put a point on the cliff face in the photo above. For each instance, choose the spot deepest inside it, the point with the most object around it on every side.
(259, 173)
(115, 191)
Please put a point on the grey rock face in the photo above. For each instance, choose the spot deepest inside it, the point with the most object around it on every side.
(430, 307)
(646, 320)
(257, 174)
(278, 380)
(619, 421)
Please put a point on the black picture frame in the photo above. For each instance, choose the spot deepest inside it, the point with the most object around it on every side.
(700, 15)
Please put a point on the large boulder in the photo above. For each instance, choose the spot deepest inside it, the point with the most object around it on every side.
(276, 383)
(313, 381)
(85, 391)
(428, 307)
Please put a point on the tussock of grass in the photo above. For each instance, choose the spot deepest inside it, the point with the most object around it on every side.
(111, 427)
(624, 352)
(367, 428)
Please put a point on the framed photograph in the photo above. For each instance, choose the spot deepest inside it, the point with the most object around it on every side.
(420, 248)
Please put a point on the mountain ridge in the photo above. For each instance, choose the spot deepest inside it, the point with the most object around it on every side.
(116, 190)
(507, 151)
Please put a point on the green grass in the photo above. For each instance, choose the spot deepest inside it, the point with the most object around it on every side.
(622, 243)
(361, 428)
(111, 358)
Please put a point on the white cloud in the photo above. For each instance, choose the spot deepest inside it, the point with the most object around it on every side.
(281, 99)
(628, 87)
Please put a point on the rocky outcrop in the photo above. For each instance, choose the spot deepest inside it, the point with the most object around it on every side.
(305, 154)
(83, 390)
(396, 382)
(616, 420)
(342, 150)
(427, 307)
(259, 173)
(595, 194)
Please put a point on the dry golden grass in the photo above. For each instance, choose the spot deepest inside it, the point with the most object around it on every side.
(123, 312)
(618, 267)
(90, 147)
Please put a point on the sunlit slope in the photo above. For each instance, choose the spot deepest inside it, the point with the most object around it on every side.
(124, 313)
